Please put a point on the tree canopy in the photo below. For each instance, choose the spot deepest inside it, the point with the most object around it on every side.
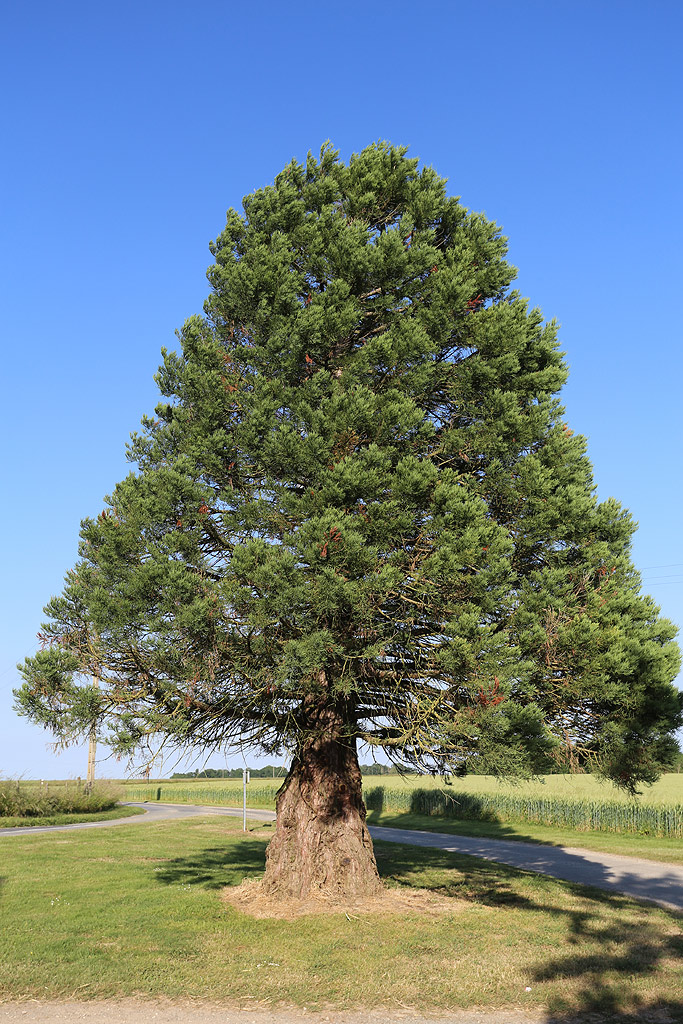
(358, 510)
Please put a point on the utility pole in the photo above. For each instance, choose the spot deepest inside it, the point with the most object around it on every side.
(92, 745)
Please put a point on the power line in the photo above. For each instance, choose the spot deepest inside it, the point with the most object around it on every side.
(13, 668)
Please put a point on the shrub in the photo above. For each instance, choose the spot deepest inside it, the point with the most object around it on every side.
(33, 800)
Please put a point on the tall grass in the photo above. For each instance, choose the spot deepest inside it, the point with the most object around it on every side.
(31, 800)
(194, 793)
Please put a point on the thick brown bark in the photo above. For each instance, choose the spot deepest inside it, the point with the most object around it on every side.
(321, 845)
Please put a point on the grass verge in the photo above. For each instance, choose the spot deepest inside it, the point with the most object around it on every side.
(69, 819)
(138, 912)
(666, 850)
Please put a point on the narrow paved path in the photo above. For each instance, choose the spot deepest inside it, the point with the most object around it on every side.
(632, 876)
(153, 812)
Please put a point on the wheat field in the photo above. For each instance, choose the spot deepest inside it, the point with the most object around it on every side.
(668, 790)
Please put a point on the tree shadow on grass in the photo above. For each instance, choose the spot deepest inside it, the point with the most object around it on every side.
(216, 867)
(663, 885)
(607, 943)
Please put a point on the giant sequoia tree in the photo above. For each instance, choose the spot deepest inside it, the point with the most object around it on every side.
(358, 515)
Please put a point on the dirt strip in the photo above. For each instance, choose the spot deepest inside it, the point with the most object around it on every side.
(133, 1012)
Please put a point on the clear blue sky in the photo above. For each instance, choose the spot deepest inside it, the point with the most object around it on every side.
(129, 128)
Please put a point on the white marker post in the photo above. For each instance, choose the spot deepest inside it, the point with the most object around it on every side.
(92, 746)
(245, 780)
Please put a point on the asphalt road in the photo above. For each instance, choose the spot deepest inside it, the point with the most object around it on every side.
(632, 876)
(154, 812)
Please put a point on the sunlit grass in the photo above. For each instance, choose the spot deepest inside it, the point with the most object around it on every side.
(137, 911)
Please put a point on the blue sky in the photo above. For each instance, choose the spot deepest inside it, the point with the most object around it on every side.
(130, 128)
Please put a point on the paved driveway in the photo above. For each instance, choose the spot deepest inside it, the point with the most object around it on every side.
(642, 879)
(153, 812)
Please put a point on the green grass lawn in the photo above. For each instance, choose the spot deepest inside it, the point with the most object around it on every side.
(137, 911)
(624, 844)
(69, 819)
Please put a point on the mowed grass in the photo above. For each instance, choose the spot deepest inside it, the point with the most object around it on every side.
(137, 911)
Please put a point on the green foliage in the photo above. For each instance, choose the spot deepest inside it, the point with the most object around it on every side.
(359, 490)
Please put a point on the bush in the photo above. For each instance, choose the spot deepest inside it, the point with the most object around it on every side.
(34, 800)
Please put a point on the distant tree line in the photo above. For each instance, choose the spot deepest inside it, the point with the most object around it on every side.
(269, 772)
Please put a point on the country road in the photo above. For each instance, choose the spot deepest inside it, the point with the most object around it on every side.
(632, 876)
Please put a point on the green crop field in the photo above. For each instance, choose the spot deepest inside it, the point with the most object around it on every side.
(572, 802)
(668, 790)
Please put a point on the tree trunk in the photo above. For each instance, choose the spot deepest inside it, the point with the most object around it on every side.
(321, 845)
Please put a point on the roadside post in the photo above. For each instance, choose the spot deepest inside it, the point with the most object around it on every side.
(92, 745)
(245, 780)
